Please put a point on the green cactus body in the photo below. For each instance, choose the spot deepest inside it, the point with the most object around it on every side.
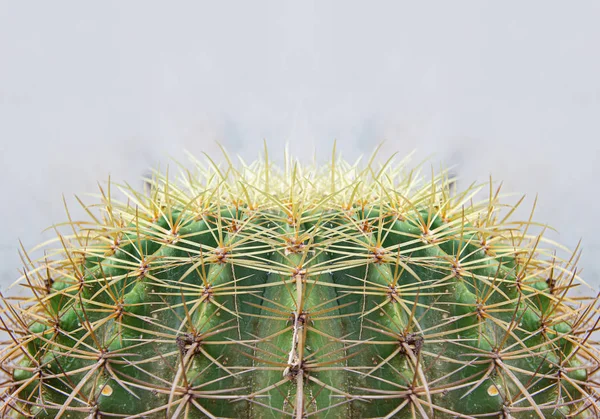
(316, 292)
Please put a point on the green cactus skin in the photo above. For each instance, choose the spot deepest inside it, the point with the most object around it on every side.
(332, 292)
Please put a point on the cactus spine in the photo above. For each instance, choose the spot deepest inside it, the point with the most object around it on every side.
(338, 291)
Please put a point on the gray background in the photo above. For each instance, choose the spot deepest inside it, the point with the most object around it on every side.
(507, 88)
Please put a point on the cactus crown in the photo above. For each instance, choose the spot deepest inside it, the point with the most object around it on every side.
(304, 291)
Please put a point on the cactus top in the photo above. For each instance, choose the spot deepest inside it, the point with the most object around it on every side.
(334, 291)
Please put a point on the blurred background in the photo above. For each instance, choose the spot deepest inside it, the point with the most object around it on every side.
(506, 88)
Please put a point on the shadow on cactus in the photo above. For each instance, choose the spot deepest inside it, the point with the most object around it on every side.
(341, 291)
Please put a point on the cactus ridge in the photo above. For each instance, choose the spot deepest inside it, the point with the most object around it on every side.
(334, 291)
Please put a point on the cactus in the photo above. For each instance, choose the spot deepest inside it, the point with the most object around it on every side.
(334, 291)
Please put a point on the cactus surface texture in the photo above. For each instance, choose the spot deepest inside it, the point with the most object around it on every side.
(324, 291)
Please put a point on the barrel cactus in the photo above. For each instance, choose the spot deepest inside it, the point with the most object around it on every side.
(328, 291)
